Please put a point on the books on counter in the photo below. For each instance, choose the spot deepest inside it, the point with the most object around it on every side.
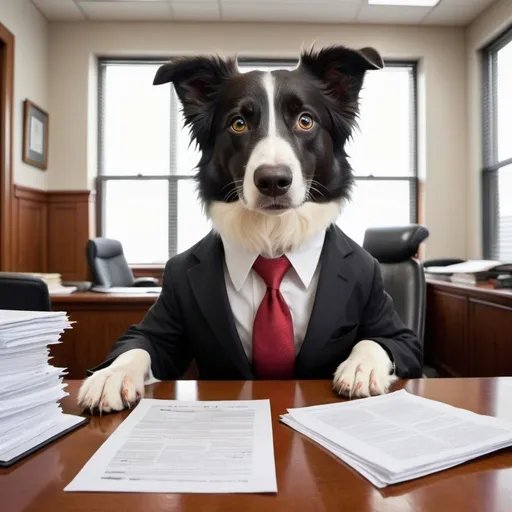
(471, 271)
(54, 283)
(397, 437)
(30, 387)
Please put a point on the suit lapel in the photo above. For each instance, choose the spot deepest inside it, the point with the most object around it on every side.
(209, 288)
(335, 285)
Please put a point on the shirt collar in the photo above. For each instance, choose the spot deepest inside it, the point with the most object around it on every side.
(239, 261)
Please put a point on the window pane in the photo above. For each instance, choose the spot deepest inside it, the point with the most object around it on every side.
(370, 207)
(136, 117)
(245, 68)
(192, 223)
(383, 143)
(187, 155)
(504, 242)
(504, 102)
(137, 214)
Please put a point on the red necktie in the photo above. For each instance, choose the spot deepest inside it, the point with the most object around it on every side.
(272, 334)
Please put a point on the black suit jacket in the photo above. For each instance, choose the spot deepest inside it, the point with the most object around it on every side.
(192, 318)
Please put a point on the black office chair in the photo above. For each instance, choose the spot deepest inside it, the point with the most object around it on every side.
(23, 292)
(109, 266)
(396, 249)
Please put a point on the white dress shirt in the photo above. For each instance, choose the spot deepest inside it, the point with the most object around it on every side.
(246, 289)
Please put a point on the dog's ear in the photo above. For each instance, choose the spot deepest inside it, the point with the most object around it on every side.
(341, 71)
(197, 81)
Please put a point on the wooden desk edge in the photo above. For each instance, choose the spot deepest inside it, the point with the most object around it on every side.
(94, 297)
(474, 290)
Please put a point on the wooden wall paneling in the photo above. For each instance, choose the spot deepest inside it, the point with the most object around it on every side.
(30, 231)
(6, 130)
(70, 225)
(489, 339)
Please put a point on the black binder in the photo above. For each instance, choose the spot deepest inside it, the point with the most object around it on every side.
(33, 449)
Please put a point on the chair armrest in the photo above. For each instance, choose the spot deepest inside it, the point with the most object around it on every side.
(145, 281)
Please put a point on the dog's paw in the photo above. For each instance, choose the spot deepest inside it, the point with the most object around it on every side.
(366, 372)
(118, 386)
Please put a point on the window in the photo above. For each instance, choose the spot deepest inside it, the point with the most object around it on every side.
(497, 157)
(383, 153)
(147, 197)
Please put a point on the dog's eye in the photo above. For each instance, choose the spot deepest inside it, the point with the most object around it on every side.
(238, 124)
(305, 122)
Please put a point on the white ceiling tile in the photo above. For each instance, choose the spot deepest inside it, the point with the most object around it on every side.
(195, 11)
(119, 1)
(450, 16)
(456, 12)
(289, 10)
(464, 3)
(127, 11)
(335, 3)
(391, 14)
(59, 10)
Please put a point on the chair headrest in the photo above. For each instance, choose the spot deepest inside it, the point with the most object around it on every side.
(21, 277)
(394, 244)
(105, 248)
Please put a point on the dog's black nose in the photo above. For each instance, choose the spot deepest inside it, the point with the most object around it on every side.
(273, 180)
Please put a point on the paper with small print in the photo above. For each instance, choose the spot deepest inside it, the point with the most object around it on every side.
(400, 436)
(171, 446)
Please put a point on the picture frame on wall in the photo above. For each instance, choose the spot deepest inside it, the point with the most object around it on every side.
(35, 135)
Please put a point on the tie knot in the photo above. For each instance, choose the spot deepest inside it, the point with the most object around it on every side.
(272, 270)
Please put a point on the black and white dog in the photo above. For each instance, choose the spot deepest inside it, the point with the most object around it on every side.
(273, 174)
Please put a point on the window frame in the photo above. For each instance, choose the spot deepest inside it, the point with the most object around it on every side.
(490, 163)
(173, 179)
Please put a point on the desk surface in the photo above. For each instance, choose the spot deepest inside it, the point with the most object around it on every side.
(309, 479)
(95, 297)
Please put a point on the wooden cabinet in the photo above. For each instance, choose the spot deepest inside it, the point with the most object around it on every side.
(99, 320)
(468, 330)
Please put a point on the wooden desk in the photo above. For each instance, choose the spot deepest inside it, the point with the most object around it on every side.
(100, 319)
(468, 329)
(308, 478)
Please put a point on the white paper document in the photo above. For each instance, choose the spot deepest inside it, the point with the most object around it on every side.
(171, 446)
(400, 436)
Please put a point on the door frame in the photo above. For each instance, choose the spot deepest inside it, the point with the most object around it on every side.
(6, 133)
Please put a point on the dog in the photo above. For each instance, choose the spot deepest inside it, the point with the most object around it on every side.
(272, 175)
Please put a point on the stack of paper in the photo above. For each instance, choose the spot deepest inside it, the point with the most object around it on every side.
(397, 437)
(30, 388)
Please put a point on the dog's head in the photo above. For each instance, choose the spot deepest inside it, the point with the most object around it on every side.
(273, 140)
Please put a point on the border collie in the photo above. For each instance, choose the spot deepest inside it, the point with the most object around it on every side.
(273, 173)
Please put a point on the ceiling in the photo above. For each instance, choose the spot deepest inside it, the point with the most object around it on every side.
(447, 12)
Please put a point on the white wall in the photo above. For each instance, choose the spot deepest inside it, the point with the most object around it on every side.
(73, 46)
(481, 32)
(30, 30)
